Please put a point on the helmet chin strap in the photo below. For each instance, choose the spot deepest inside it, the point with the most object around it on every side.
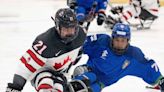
(68, 39)
(118, 51)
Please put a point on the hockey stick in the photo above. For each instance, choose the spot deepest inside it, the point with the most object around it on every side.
(138, 16)
(150, 87)
(91, 12)
(140, 28)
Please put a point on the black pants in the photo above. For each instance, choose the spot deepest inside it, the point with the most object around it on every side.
(145, 15)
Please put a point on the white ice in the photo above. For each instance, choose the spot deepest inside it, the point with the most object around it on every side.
(22, 20)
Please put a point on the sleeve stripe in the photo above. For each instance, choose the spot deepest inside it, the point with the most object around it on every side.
(32, 69)
(155, 10)
(129, 13)
(44, 86)
(126, 18)
(35, 58)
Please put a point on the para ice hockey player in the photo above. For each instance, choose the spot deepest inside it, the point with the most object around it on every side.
(86, 10)
(146, 11)
(112, 58)
(51, 55)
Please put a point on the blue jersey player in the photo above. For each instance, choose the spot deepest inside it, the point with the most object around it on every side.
(112, 58)
(86, 10)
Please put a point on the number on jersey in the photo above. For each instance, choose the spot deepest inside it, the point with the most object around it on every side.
(40, 47)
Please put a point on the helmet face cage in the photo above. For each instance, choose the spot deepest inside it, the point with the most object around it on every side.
(66, 18)
(120, 30)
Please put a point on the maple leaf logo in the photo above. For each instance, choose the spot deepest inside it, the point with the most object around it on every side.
(59, 65)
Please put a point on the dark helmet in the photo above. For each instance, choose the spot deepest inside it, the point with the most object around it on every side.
(121, 30)
(65, 17)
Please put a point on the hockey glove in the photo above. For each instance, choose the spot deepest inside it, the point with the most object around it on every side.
(101, 18)
(13, 88)
(78, 86)
(80, 70)
(161, 84)
(117, 10)
(110, 21)
(73, 5)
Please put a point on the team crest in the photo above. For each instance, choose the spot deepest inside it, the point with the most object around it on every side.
(104, 54)
(126, 63)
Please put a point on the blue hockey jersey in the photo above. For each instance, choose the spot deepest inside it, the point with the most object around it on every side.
(110, 67)
(84, 7)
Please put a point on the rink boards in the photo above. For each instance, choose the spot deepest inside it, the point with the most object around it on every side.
(126, 1)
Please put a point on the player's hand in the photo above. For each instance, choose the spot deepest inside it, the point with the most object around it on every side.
(161, 84)
(101, 18)
(13, 88)
(117, 10)
(80, 70)
(110, 21)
